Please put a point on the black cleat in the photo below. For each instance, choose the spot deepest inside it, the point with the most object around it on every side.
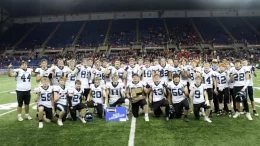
(186, 119)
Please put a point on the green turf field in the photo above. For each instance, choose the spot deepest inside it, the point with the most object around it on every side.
(223, 131)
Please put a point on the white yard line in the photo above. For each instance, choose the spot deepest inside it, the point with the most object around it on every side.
(12, 111)
(131, 140)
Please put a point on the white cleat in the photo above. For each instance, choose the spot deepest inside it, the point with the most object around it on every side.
(28, 117)
(82, 120)
(248, 115)
(60, 122)
(207, 119)
(237, 114)
(40, 124)
(146, 118)
(20, 118)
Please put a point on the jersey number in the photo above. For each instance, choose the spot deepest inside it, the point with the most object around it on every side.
(75, 98)
(46, 98)
(239, 77)
(158, 91)
(24, 78)
(177, 92)
(114, 92)
(96, 94)
(147, 74)
(197, 94)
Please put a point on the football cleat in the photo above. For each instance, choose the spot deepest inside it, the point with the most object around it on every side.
(82, 120)
(207, 119)
(230, 114)
(167, 118)
(146, 118)
(248, 115)
(20, 118)
(28, 117)
(40, 125)
(255, 113)
(186, 119)
(237, 114)
(60, 122)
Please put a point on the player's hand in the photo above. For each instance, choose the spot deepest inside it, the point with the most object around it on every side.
(95, 104)
(10, 66)
(216, 91)
(207, 103)
(243, 89)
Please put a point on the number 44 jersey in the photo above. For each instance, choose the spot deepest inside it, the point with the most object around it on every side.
(23, 79)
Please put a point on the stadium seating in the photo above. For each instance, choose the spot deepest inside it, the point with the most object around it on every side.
(122, 32)
(239, 29)
(211, 30)
(256, 24)
(93, 33)
(39, 34)
(12, 36)
(65, 35)
(180, 30)
(152, 31)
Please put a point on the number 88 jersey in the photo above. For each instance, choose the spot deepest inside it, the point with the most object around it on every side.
(45, 96)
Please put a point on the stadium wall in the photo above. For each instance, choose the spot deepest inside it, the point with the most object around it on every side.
(139, 15)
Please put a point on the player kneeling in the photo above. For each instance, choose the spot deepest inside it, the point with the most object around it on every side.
(115, 92)
(157, 97)
(60, 99)
(45, 102)
(96, 97)
(135, 92)
(74, 99)
(200, 99)
(178, 97)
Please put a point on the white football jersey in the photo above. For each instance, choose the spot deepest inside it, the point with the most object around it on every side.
(59, 73)
(97, 93)
(177, 91)
(45, 96)
(114, 91)
(130, 71)
(239, 76)
(251, 69)
(164, 71)
(84, 75)
(119, 72)
(230, 83)
(193, 72)
(23, 79)
(71, 78)
(185, 69)
(148, 75)
(175, 70)
(76, 95)
(198, 96)
(60, 91)
(222, 79)
(99, 73)
(208, 78)
(43, 73)
(132, 86)
(157, 90)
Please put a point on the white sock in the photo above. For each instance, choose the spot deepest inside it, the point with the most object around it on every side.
(19, 115)
(26, 115)
(146, 114)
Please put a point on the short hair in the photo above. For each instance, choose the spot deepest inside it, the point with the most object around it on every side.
(78, 82)
(44, 79)
(131, 58)
(114, 76)
(44, 60)
(61, 78)
(139, 58)
(222, 65)
(97, 78)
(198, 77)
(156, 75)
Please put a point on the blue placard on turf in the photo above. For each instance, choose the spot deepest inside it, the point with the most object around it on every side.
(115, 114)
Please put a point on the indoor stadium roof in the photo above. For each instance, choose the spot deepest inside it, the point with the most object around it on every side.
(51, 7)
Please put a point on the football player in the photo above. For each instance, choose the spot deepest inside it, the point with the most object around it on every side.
(250, 89)
(178, 97)
(209, 79)
(23, 88)
(198, 92)
(71, 75)
(76, 102)
(96, 97)
(222, 77)
(98, 71)
(135, 92)
(147, 72)
(157, 97)
(60, 99)
(59, 71)
(240, 76)
(115, 93)
(43, 71)
(164, 70)
(45, 102)
(129, 70)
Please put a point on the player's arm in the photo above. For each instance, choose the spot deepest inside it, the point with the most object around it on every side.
(37, 97)
(89, 96)
(247, 77)
(69, 98)
(186, 91)
(206, 97)
(107, 93)
(34, 74)
(215, 83)
(52, 102)
(57, 96)
(151, 97)
(10, 73)
(253, 71)
(104, 94)
(170, 75)
(169, 97)
(128, 92)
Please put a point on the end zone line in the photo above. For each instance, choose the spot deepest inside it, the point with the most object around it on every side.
(132, 132)
(11, 111)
